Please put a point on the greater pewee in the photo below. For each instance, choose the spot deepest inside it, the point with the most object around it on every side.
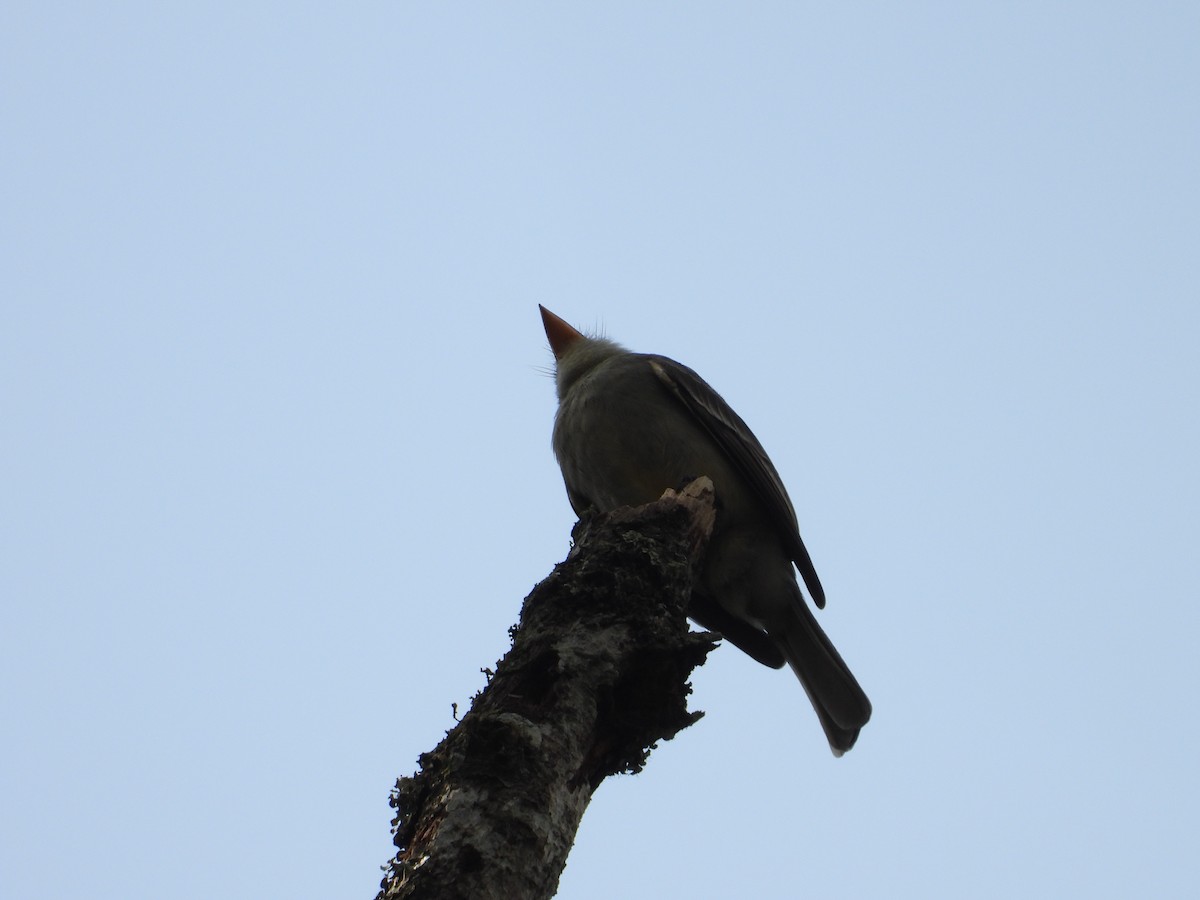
(631, 425)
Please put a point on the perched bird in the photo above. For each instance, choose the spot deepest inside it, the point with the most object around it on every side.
(631, 425)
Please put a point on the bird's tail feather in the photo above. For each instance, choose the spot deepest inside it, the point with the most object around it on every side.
(841, 704)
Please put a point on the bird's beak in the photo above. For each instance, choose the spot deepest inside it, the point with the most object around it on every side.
(561, 334)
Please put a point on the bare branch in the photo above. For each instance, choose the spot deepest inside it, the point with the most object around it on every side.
(597, 674)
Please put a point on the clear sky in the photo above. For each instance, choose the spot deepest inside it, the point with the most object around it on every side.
(274, 425)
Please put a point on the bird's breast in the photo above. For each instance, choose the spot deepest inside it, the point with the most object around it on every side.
(621, 440)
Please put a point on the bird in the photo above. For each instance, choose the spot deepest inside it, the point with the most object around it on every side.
(631, 425)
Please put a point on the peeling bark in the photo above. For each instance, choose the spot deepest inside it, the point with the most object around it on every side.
(597, 674)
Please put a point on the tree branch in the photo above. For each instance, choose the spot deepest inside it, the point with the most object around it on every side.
(597, 674)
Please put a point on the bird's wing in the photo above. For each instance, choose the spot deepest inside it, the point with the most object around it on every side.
(742, 447)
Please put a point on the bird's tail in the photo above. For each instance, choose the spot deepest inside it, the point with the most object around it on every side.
(840, 703)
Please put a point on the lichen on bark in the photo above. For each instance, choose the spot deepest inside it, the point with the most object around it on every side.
(596, 676)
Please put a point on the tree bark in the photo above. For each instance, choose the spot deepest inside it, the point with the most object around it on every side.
(597, 674)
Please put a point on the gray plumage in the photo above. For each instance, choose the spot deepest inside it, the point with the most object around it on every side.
(631, 425)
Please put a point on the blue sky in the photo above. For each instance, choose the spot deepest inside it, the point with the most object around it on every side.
(275, 426)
